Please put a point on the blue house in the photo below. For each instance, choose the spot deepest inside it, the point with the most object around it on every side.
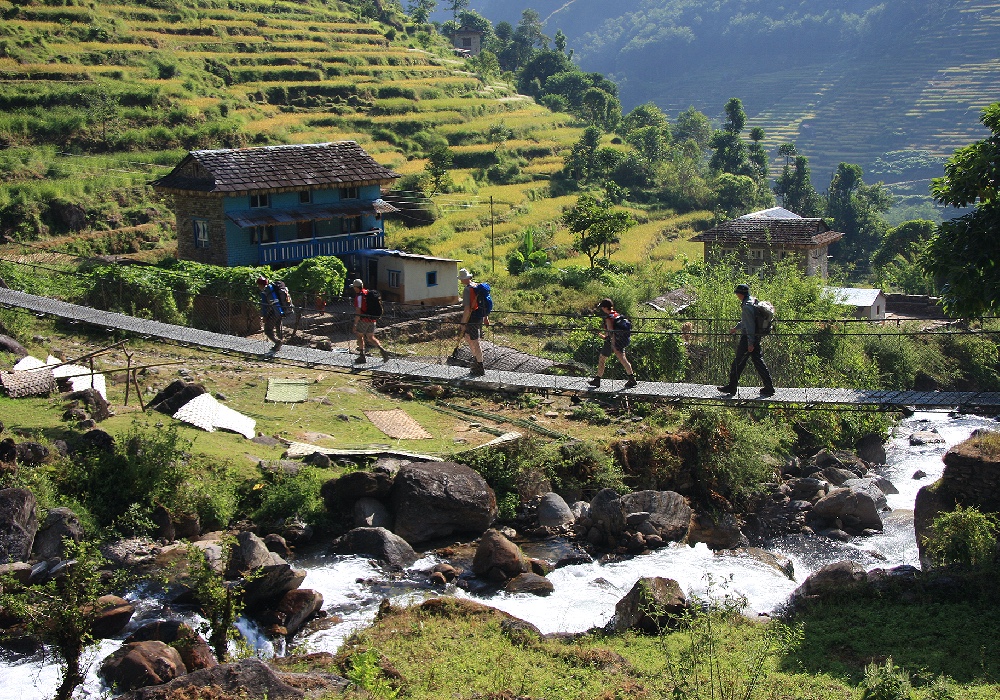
(278, 205)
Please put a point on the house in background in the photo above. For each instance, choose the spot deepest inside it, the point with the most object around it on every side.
(763, 238)
(410, 278)
(467, 42)
(867, 303)
(278, 205)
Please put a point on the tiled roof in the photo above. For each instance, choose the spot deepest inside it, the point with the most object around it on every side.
(788, 232)
(339, 163)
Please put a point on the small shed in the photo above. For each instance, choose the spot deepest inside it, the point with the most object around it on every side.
(409, 278)
(868, 303)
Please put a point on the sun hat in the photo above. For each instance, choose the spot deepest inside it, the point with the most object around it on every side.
(464, 274)
(357, 283)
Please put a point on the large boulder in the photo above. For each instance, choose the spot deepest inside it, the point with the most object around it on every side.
(18, 524)
(340, 494)
(8, 344)
(718, 532)
(497, 558)
(194, 650)
(98, 406)
(174, 396)
(249, 553)
(31, 453)
(870, 485)
(529, 582)
(59, 524)
(650, 607)
(370, 512)
(871, 448)
(269, 584)
(378, 543)
(669, 513)
(294, 608)
(113, 613)
(553, 511)
(607, 513)
(140, 664)
(438, 499)
(251, 678)
(832, 578)
(94, 441)
(856, 509)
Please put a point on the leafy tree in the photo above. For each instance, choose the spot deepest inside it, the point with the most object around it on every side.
(62, 611)
(694, 126)
(964, 536)
(601, 108)
(104, 112)
(455, 6)
(788, 151)
(536, 71)
(736, 194)
(732, 154)
(795, 186)
(220, 601)
(856, 210)
(595, 225)
(438, 162)
(420, 10)
(580, 161)
(964, 255)
(560, 42)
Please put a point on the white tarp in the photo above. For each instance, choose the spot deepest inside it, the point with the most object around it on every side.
(27, 362)
(79, 377)
(204, 412)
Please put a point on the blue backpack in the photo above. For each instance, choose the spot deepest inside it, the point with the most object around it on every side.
(622, 331)
(484, 300)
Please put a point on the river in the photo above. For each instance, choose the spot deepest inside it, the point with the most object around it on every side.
(585, 594)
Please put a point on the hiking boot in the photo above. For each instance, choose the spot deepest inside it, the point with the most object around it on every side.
(478, 370)
(767, 391)
(361, 359)
(385, 355)
(595, 382)
(631, 382)
(726, 389)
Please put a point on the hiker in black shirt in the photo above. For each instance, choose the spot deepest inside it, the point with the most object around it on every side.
(749, 347)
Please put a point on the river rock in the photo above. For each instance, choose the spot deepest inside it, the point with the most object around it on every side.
(370, 512)
(174, 396)
(60, 523)
(141, 664)
(341, 493)
(607, 513)
(249, 553)
(870, 486)
(529, 582)
(164, 525)
(832, 578)
(837, 476)
(856, 508)
(581, 509)
(250, 677)
(378, 543)
(806, 489)
(31, 453)
(297, 531)
(277, 544)
(871, 448)
(718, 532)
(438, 499)
(497, 558)
(925, 437)
(269, 584)
(669, 513)
(194, 650)
(554, 512)
(295, 607)
(96, 404)
(650, 607)
(113, 614)
(18, 524)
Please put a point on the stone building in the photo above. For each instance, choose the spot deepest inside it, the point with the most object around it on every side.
(759, 240)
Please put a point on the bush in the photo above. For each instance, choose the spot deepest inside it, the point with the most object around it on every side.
(964, 537)
(886, 682)
(291, 495)
(317, 276)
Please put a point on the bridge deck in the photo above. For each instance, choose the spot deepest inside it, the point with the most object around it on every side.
(422, 371)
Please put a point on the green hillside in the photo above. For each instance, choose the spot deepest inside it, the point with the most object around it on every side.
(893, 87)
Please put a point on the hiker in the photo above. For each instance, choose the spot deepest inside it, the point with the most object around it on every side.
(367, 310)
(473, 318)
(275, 302)
(617, 336)
(749, 347)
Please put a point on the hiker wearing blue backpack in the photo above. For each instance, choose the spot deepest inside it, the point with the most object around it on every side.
(275, 303)
(617, 336)
(755, 322)
(476, 306)
(367, 312)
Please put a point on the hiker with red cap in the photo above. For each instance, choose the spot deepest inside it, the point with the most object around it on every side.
(617, 336)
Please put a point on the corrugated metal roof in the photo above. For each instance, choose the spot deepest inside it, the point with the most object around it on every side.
(772, 213)
(411, 256)
(853, 296)
(310, 212)
(303, 166)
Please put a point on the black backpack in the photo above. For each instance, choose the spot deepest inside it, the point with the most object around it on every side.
(373, 304)
(623, 331)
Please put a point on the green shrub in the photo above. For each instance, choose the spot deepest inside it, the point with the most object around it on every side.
(291, 495)
(324, 275)
(886, 682)
(964, 536)
(590, 412)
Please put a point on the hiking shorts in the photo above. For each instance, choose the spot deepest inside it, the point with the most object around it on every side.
(365, 325)
(474, 330)
(608, 350)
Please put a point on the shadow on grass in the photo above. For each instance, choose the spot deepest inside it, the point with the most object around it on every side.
(943, 625)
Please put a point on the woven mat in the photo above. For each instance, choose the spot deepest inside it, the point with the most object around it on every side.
(396, 424)
(287, 390)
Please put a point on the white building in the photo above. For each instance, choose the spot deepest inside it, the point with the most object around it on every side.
(868, 303)
(409, 278)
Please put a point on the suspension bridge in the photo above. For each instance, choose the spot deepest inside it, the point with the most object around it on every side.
(506, 380)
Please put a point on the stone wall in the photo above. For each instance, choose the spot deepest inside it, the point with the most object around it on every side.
(915, 304)
(187, 208)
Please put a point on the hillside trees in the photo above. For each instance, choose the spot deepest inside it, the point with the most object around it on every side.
(734, 156)
(964, 254)
(896, 263)
(596, 226)
(795, 188)
(856, 210)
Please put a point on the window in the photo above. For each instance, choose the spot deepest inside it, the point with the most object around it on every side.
(351, 224)
(756, 254)
(466, 42)
(260, 201)
(432, 278)
(201, 233)
(395, 278)
(262, 234)
(349, 193)
(305, 197)
(728, 252)
(303, 229)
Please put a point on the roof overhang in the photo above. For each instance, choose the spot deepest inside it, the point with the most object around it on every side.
(248, 218)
